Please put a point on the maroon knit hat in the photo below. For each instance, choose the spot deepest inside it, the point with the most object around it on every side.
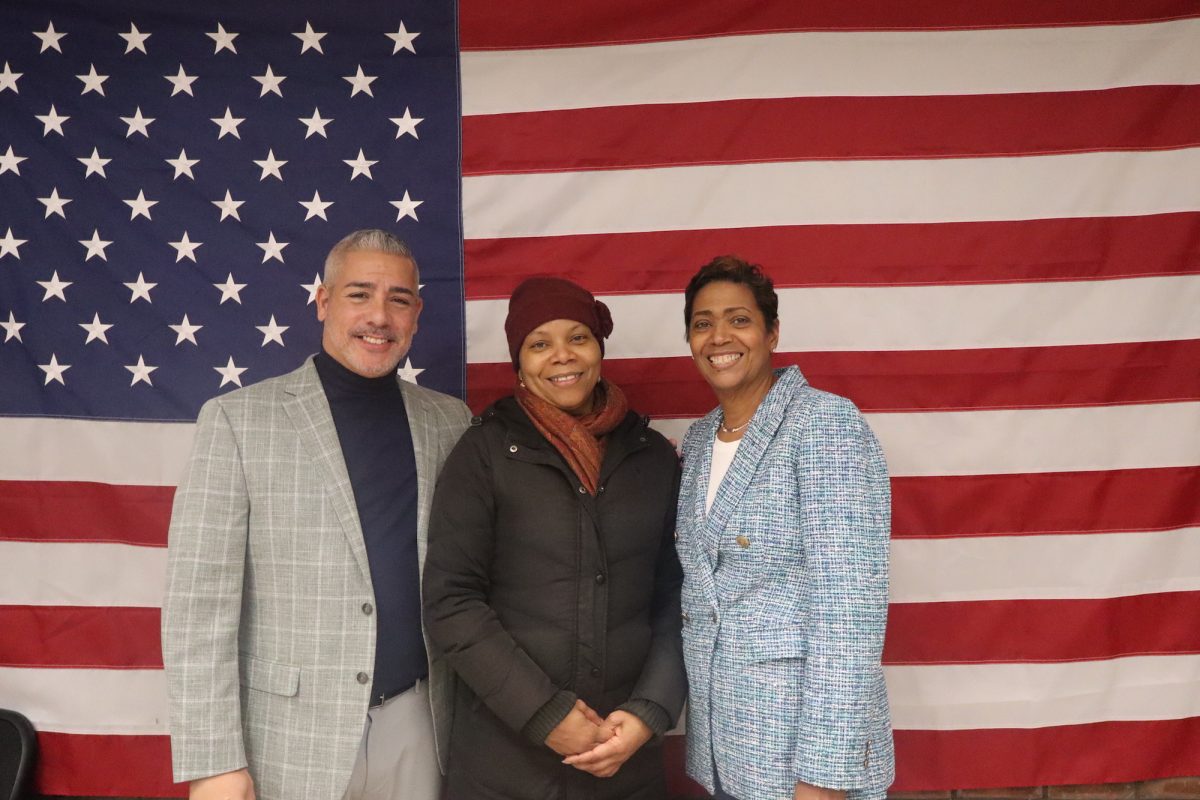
(539, 300)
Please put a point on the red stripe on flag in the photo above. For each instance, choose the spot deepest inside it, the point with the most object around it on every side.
(918, 380)
(105, 766)
(1047, 502)
(1102, 752)
(850, 255)
(993, 631)
(71, 511)
(487, 25)
(758, 130)
(80, 636)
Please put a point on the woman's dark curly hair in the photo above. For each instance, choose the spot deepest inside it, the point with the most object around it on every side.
(733, 270)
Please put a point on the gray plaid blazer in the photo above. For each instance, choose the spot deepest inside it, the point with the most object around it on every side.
(263, 629)
(785, 597)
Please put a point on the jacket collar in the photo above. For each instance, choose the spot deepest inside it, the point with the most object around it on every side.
(758, 436)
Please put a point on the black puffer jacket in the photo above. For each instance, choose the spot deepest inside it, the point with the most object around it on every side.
(533, 586)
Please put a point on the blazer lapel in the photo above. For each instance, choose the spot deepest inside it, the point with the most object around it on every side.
(308, 409)
(757, 438)
(424, 439)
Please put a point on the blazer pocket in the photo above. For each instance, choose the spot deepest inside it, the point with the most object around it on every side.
(269, 676)
(769, 644)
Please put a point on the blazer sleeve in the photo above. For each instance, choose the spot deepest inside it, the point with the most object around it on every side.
(662, 680)
(460, 622)
(206, 553)
(845, 503)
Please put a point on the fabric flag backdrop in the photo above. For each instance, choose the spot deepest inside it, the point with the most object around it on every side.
(984, 221)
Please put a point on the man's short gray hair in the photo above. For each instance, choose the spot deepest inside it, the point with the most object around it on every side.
(371, 240)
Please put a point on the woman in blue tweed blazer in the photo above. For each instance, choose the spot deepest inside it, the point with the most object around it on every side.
(783, 530)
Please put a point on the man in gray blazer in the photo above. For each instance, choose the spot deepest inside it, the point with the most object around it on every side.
(295, 658)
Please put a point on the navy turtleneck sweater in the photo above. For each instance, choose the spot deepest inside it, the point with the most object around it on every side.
(372, 427)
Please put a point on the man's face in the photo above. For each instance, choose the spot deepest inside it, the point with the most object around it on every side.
(370, 312)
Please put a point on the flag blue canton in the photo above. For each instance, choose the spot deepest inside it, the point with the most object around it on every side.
(171, 181)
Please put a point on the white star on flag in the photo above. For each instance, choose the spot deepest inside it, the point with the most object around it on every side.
(310, 39)
(272, 332)
(12, 328)
(135, 39)
(407, 124)
(185, 331)
(8, 79)
(360, 82)
(312, 288)
(359, 166)
(49, 38)
(181, 82)
(137, 124)
(95, 246)
(316, 207)
(52, 121)
(270, 82)
(270, 166)
(272, 249)
(403, 39)
(95, 329)
(185, 248)
(315, 123)
(223, 39)
(54, 370)
(141, 289)
(183, 165)
(54, 204)
(228, 124)
(408, 372)
(94, 163)
(406, 206)
(230, 373)
(141, 372)
(93, 82)
(140, 205)
(229, 207)
(55, 287)
(230, 290)
(9, 245)
(9, 162)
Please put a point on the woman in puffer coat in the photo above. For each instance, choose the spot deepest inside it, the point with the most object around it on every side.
(551, 582)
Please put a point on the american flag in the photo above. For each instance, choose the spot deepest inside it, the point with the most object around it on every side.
(984, 221)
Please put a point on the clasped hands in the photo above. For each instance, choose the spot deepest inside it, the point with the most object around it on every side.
(595, 745)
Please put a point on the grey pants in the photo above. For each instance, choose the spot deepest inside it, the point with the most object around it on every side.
(396, 759)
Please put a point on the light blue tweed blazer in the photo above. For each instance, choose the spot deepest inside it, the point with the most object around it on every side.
(785, 600)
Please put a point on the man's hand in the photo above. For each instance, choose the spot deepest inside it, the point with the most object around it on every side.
(581, 730)
(235, 785)
(603, 760)
(806, 791)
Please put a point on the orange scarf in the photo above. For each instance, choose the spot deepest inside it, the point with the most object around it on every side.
(579, 440)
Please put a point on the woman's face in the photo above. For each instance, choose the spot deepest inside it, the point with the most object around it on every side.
(729, 338)
(560, 363)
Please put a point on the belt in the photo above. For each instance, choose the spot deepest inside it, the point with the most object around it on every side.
(383, 697)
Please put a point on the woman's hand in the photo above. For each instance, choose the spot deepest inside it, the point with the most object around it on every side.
(603, 760)
(580, 731)
(806, 791)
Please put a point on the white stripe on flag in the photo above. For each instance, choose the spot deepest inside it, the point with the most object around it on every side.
(831, 193)
(860, 63)
(922, 698)
(102, 451)
(854, 318)
(1010, 441)
(82, 574)
(962, 697)
(96, 701)
(1045, 567)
